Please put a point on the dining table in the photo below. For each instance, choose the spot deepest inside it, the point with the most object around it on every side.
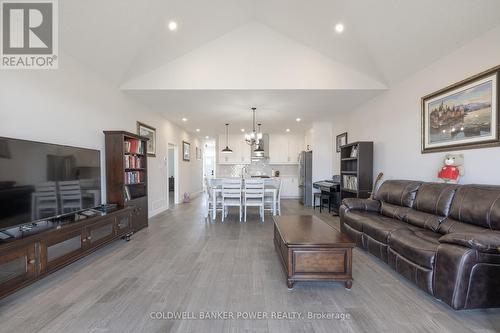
(270, 187)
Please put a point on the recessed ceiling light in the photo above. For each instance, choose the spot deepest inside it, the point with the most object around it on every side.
(184, 119)
(339, 28)
(207, 137)
(288, 130)
(172, 25)
(197, 130)
(298, 119)
(243, 130)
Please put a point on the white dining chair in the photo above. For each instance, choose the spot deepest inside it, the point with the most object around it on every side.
(272, 202)
(254, 196)
(213, 201)
(231, 195)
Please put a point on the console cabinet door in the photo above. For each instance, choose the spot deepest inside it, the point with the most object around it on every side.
(61, 248)
(100, 232)
(139, 213)
(17, 267)
(123, 224)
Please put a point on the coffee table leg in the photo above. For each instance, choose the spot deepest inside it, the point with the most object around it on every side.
(348, 284)
(289, 283)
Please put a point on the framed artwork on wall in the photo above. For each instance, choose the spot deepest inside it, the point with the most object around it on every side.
(341, 140)
(150, 133)
(198, 153)
(186, 151)
(462, 116)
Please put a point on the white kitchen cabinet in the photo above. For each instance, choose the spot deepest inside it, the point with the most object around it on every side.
(285, 148)
(289, 187)
(241, 150)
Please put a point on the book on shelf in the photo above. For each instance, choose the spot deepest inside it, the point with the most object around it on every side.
(133, 177)
(133, 146)
(350, 182)
(132, 162)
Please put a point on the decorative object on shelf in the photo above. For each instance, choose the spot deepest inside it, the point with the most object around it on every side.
(186, 151)
(150, 133)
(453, 168)
(354, 152)
(341, 140)
(462, 116)
(254, 137)
(227, 150)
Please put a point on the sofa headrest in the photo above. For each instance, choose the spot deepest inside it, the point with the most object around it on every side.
(398, 192)
(435, 198)
(478, 205)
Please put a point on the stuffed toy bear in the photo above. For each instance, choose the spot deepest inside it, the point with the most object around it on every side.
(453, 168)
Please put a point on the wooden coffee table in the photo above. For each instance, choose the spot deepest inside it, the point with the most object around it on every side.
(311, 250)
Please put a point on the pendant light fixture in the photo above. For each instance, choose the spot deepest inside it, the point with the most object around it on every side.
(227, 150)
(253, 138)
(259, 150)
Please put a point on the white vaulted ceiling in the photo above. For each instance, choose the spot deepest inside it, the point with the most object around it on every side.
(265, 46)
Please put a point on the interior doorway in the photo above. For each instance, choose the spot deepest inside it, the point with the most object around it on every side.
(172, 175)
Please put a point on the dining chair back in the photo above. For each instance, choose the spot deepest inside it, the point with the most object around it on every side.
(254, 196)
(231, 195)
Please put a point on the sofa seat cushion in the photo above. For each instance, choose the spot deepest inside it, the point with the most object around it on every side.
(380, 227)
(417, 245)
(356, 219)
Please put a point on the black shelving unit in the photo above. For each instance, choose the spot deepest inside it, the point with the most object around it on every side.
(356, 169)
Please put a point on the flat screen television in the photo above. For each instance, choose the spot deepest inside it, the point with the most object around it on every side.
(40, 181)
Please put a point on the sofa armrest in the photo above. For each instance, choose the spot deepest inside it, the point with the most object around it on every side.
(367, 205)
(486, 242)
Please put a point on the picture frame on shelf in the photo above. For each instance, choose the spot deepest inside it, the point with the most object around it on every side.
(186, 151)
(464, 115)
(148, 132)
(341, 140)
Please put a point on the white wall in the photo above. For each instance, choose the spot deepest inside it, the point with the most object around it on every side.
(319, 139)
(253, 57)
(392, 120)
(72, 106)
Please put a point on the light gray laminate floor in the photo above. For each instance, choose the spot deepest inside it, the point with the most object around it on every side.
(182, 263)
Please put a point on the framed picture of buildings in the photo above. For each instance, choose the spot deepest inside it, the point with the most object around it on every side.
(150, 133)
(341, 140)
(462, 116)
(186, 151)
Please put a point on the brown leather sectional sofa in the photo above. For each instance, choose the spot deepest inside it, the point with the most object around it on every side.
(445, 238)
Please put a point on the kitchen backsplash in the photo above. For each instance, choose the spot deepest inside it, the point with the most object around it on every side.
(256, 169)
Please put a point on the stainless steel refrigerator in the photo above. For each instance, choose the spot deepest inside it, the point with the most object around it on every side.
(305, 178)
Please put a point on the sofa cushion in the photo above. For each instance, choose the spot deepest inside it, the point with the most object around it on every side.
(478, 205)
(424, 220)
(380, 227)
(487, 241)
(449, 226)
(435, 198)
(398, 192)
(356, 219)
(394, 211)
(416, 245)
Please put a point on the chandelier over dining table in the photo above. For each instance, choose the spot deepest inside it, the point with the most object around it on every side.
(253, 138)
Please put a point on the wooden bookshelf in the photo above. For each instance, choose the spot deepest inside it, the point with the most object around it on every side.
(127, 174)
(356, 169)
